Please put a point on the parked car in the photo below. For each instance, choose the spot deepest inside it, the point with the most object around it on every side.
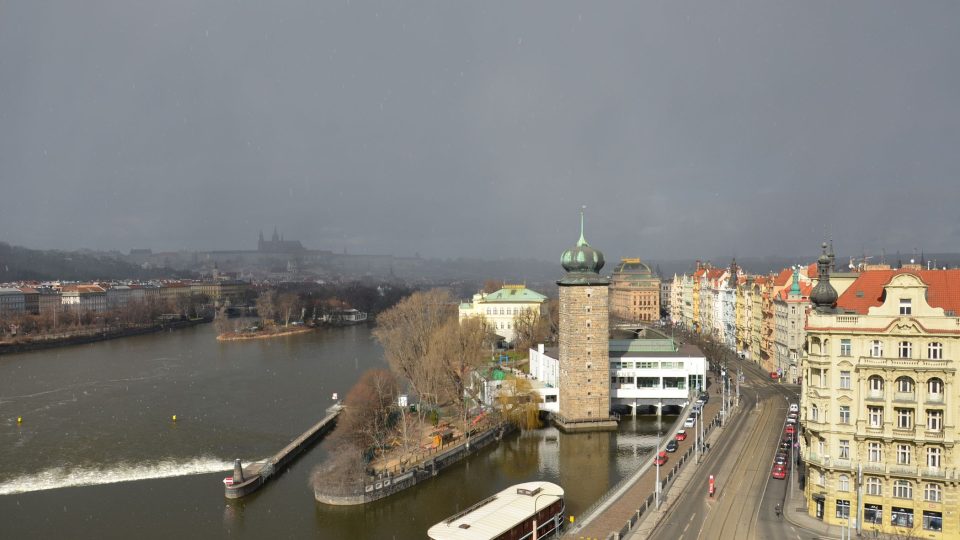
(704, 397)
(681, 435)
(779, 472)
(661, 458)
(785, 444)
(794, 408)
(790, 429)
(672, 446)
(781, 459)
(791, 421)
(690, 422)
(774, 375)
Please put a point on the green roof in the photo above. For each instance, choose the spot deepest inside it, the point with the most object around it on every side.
(515, 294)
(466, 305)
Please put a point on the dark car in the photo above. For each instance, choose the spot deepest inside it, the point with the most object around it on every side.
(672, 446)
(781, 458)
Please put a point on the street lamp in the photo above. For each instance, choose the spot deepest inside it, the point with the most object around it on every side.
(656, 460)
(535, 526)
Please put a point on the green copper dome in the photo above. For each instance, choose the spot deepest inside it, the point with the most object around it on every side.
(582, 259)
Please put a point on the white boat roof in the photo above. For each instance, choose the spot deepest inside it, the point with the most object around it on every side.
(494, 515)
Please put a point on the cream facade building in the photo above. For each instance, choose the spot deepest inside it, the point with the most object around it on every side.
(500, 308)
(634, 292)
(880, 402)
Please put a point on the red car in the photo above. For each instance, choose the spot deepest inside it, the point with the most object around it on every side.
(774, 375)
(681, 435)
(790, 429)
(661, 458)
(779, 472)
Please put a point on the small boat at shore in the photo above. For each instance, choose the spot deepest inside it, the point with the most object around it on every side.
(511, 514)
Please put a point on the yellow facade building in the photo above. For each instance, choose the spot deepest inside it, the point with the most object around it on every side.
(879, 407)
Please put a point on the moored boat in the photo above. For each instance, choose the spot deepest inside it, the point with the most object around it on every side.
(511, 514)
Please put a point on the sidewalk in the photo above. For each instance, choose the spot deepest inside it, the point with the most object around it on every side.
(795, 512)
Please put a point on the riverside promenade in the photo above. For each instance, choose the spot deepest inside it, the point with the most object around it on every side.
(620, 510)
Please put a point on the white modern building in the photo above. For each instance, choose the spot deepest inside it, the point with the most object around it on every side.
(651, 370)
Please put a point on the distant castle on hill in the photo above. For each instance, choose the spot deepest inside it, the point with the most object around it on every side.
(277, 244)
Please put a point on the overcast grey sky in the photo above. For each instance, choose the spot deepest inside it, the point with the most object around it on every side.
(453, 129)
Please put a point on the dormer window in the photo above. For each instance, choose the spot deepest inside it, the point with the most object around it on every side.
(905, 308)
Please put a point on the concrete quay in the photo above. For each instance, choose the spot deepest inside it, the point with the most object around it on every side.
(246, 480)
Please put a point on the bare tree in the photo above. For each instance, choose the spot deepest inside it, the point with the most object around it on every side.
(267, 306)
(458, 349)
(366, 419)
(287, 304)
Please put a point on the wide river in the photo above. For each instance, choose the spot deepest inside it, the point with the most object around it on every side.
(98, 456)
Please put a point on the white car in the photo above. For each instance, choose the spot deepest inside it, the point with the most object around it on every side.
(794, 407)
(690, 422)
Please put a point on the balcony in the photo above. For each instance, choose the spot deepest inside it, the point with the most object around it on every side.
(913, 364)
(902, 470)
(904, 433)
(934, 399)
(874, 467)
(933, 472)
(874, 395)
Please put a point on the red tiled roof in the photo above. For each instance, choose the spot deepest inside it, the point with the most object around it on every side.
(943, 289)
(805, 289)
(783, 277)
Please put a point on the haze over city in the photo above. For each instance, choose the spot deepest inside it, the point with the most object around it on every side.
(479, 130)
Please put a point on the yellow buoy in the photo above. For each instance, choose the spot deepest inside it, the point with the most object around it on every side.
(174, 418)
(19, 419)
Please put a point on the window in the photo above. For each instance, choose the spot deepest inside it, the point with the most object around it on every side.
(843, 508)
(935, 388)
(876, 384)
(905, 385)
(934, 420)
(904, 453)
(905, 349)
(932, 492)
(905, 418)
(932, 521)
(845, 380)
(933, 457)
(844, 347)
(843, 483)
(875, 416)
(814, 413)
(844, 414)
(874, 486)
(821, 478)
(876, 348)
(935, 351)
(873, 513)
(844, 450)
(905, 306)
(874, 452)
(902, 489)
(901, 517)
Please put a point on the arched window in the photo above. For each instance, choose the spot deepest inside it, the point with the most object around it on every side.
(902, 489)
(876, 383)
(843, 483)
(905, 385)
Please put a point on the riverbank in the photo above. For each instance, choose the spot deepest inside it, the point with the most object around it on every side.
(93, 335)
(389, 484)
(244, 336)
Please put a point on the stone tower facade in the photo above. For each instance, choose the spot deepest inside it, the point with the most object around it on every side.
(584, 401)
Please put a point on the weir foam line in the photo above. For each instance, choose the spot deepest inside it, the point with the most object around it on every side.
(246, 480)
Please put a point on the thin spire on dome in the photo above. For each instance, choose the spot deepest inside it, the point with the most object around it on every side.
(582, 241)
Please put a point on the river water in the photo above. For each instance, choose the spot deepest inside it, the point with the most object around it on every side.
(98, 455)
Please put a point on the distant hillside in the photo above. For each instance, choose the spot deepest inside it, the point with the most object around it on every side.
(22, 264)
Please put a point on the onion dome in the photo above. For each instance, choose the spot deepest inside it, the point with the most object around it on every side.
(823, 296)
(582, 262)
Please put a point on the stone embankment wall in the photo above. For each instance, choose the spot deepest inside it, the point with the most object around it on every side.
(391, 484)
(91, 337)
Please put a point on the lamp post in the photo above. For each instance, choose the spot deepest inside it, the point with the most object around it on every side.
(535, 499)
(656, 460)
